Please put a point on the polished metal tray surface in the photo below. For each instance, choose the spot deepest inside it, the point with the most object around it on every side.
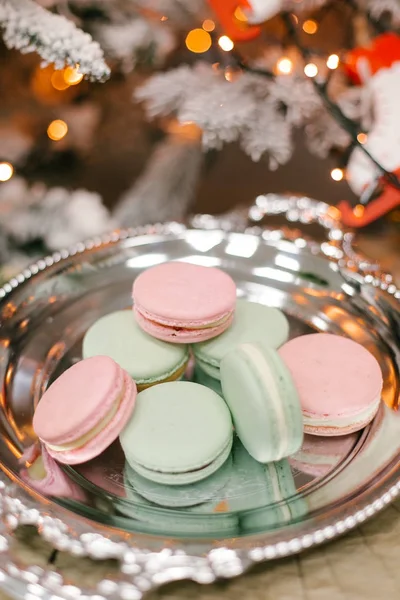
(330, 487)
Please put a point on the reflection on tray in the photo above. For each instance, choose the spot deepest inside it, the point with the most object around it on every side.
(242, 496)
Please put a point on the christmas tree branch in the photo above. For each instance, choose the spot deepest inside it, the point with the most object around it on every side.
(30, 28)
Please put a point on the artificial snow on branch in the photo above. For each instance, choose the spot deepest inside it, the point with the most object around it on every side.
(257, 112)
(56, 216)
(134, 39)
(30, 28)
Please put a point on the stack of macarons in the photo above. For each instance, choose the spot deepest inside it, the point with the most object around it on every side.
(133, 383)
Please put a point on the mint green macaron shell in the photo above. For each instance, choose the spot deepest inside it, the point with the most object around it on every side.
(252, 322)
(146, 359)
(263, 400)
(179, 432)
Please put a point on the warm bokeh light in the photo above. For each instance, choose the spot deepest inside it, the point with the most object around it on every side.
(57, 130)
(230, 74)
(198, 41)
(333, 61)
(226, 43)
(6, 171)
(284, 65)
(337, 174)
(72, 76)
(310, 26)
(362, 138)
(164, 18)
(333, 212)
(58, 82)
(208, 25)
(358, 210)
(240, 15)
(311, 70)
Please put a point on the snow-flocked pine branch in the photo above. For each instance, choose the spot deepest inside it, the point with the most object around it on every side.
(28, 27)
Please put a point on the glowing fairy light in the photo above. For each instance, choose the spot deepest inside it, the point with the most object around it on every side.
(337, 174)
(208, 25)
(198, 41)
(225, 43)
(362, 138)
(310, 26)
(284, 65)
(333, 62)
(6, 171)
(311, 70)
(57, 130)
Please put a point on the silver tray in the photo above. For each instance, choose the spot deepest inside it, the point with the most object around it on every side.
(322, 284)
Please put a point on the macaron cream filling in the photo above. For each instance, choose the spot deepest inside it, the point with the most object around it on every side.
(359, 416)
(173, 324)
(92, 433)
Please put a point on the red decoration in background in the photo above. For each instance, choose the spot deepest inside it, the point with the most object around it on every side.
(238, 31)
(387, 201)
(383, 52)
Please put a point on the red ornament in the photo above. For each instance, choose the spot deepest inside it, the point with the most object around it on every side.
(238, 31)
(362, 63)
(387, 201)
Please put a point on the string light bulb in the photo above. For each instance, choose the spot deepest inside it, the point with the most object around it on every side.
(358, 210)
(225, 43)
(240, 15)
(198, 41)
(58, 82)
(57, 130)
(362, 138)
(333, 62)
(6, 171)
(311, 70)
(284, 65)
(72, 75)
(310, 26)
(337, 174)
(208, 25)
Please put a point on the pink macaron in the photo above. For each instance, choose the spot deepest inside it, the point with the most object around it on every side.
(339, 382)
(184, 303)
(85, 410)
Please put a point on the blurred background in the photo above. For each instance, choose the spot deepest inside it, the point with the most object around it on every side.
(191, 110)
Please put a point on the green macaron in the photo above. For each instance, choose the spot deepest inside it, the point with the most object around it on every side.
(147, 360)
(252, 322)
(179, 433)
(259, 390)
